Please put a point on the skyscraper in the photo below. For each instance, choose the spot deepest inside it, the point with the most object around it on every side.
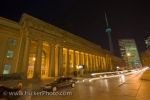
(129, 53)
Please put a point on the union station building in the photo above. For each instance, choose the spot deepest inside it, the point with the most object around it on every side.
(37, 49)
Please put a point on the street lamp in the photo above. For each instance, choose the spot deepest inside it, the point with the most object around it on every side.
(128, 55)
(118, 68)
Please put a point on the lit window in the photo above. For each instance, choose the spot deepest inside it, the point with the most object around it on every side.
(10, 54)
(6, 69)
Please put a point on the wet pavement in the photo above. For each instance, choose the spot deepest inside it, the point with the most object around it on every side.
(129, 87)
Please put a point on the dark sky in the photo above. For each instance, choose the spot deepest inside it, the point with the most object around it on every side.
(128, 19)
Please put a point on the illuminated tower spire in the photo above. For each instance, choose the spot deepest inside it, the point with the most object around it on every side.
(108, 31)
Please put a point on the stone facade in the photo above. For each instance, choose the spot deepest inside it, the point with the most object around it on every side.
(40, 50)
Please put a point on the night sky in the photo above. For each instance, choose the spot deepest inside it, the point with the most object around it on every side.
(128, 19)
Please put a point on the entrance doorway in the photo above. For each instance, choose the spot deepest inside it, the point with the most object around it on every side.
(45, 59)
(32, 59)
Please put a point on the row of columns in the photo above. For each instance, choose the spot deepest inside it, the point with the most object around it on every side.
(93, 63)
(73, 58)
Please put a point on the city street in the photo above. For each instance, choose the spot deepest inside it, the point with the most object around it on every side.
(119, 88)
(122, 87)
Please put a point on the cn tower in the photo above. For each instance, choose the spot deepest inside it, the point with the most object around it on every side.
(108, 31)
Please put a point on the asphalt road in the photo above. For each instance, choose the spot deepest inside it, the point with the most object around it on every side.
(118, 88)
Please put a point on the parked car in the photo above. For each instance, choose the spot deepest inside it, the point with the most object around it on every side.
(5, 92)
(59, 83)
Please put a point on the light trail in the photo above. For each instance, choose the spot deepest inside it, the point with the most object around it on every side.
(123, 73)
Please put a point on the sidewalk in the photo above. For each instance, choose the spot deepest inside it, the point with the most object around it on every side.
(132, 89)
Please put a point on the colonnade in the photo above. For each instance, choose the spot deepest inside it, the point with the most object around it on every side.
(46, 59)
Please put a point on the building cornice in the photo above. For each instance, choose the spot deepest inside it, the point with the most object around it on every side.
(9, 23)
(51, 29)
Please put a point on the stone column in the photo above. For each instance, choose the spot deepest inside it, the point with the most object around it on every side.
(90, 63)
(74, 61)
(60, 60)
(56, 60)
(79, 58)
(104, 67)
(96, 64)
(93, 61)
(101, 59)
(37, 67)
(25, 58)
(104, 63)
(52, 61)
(83, 58)
(68, 63)
(87, 62)
(106, 60)
(49, 72)
(18, 55)
(110, 63)
(99, 63)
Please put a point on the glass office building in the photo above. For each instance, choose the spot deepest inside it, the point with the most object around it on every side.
(129, 53)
